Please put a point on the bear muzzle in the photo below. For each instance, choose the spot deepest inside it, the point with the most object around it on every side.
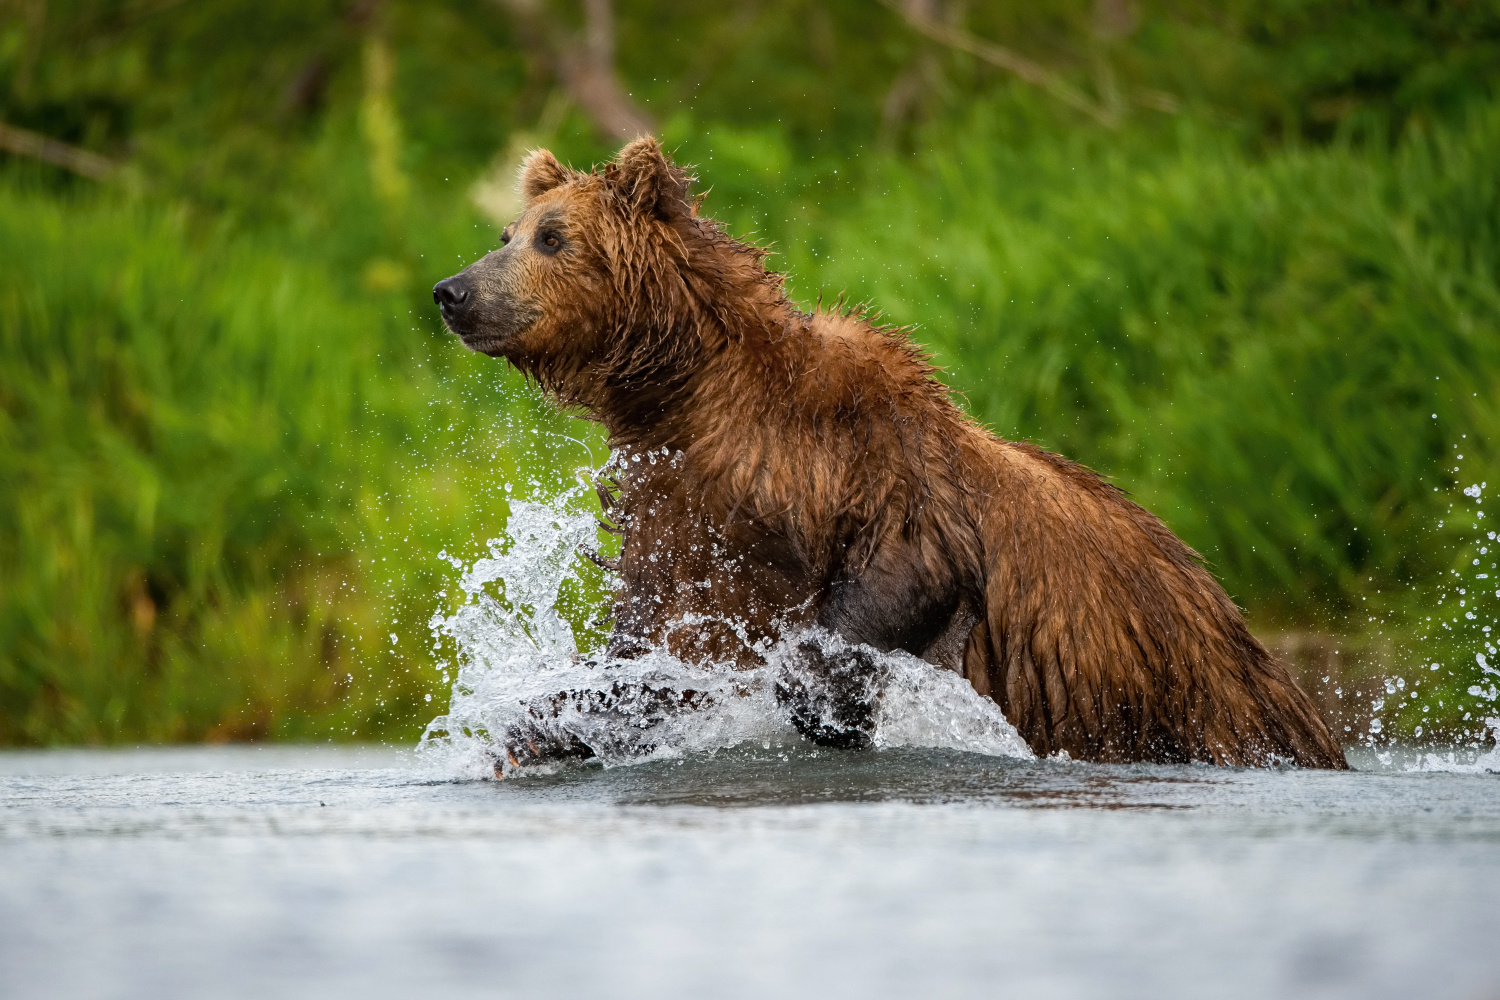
(456, 301)
(484, 318)
(452, 298)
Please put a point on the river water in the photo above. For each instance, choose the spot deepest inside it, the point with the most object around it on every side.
(764, 870)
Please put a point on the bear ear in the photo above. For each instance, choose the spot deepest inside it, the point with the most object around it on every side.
(650, 182)
(540, 173)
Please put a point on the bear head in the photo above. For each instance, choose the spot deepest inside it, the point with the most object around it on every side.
(607, 288)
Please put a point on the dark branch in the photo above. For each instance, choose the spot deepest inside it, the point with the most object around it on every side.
(22, 142)
(1028, 70)
(584, 66)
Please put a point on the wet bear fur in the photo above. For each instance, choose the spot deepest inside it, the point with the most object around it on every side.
(784, 472)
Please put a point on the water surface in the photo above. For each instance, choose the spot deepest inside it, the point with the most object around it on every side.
(763, 871)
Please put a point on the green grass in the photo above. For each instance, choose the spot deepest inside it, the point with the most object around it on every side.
(226, 481)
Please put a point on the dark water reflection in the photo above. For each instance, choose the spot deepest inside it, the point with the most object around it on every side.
(794, 775)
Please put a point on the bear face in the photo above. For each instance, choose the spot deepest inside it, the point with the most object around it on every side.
(515, 301)
(590, 291)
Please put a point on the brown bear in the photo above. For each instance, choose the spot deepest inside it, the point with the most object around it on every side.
(785, 472)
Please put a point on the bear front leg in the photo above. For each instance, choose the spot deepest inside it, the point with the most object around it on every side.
(830, 697)
(831, 690)
(538, 738)
(622, 720)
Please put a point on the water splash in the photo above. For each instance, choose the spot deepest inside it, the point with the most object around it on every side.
(1457, 633)
(512, 648)
(1466, 760)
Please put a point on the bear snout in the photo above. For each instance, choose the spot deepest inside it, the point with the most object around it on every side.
(481, 311)
(451, 296)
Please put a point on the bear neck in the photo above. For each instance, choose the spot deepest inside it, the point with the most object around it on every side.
(667, 404)
(733, 333)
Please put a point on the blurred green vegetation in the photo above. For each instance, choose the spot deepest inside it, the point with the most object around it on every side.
(1243, 257)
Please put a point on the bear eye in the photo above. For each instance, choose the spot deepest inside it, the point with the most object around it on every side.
(549, 242)
(505, 236)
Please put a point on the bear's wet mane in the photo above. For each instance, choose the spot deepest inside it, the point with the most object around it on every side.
(688, 304)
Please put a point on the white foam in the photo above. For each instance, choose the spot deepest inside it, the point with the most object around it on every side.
(1465, 760)
(513, 648)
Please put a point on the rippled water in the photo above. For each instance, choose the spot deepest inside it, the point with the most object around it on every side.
(762, 871)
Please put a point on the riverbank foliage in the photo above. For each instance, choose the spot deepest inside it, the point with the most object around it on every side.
(1243, 258)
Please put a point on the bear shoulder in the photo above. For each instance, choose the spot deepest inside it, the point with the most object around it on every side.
(849, 361)
(823, 427)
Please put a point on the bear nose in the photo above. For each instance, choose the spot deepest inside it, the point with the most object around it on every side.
(449, 295)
